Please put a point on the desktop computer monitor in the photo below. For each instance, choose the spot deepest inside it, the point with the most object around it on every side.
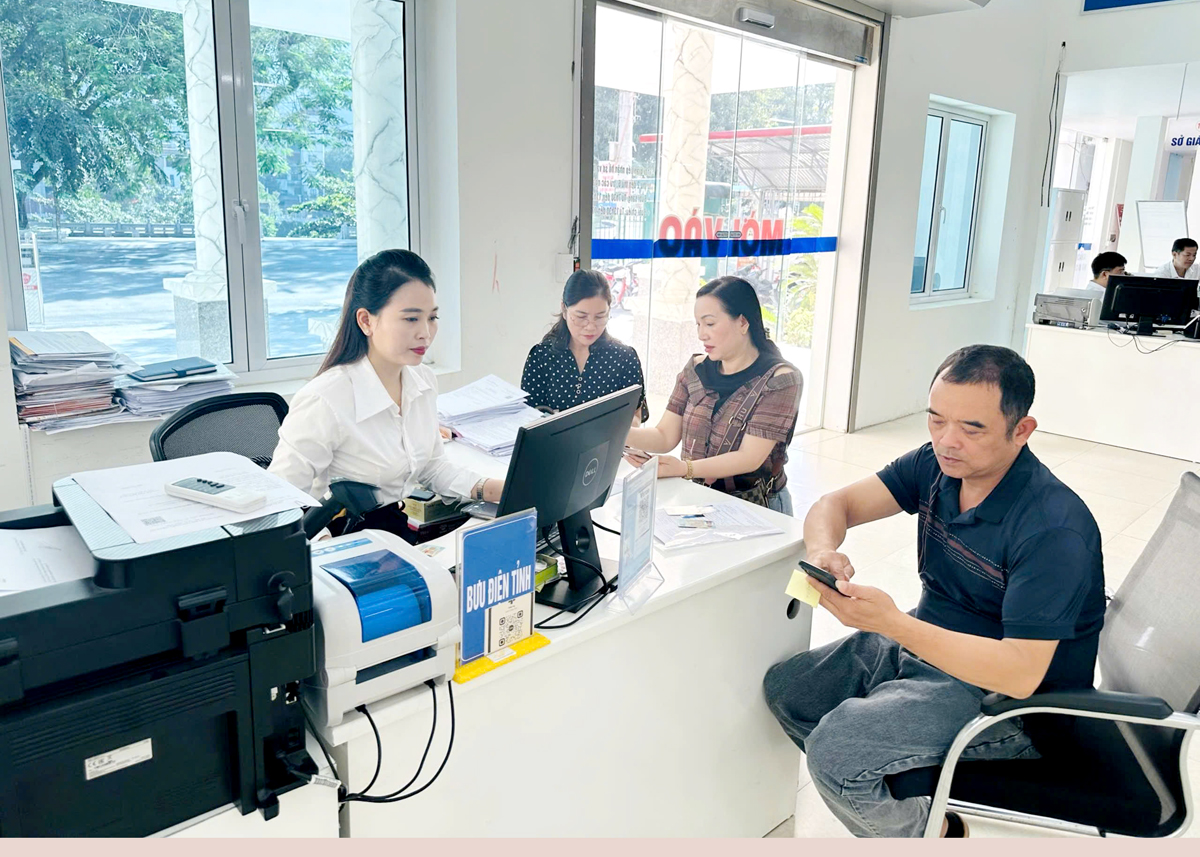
(564, 467)
(1149, 302)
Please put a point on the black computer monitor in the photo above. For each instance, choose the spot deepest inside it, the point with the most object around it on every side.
(1149, 302)
(564, 467)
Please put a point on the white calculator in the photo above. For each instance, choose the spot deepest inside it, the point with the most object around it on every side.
(216, 494)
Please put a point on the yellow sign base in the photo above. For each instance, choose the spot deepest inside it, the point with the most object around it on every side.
(485, 664)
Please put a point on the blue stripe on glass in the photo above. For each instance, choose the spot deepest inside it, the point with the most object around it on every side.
(707, 248)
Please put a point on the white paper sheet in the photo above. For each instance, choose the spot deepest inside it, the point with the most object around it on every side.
(33, 558)
(731, 521)
(135, 497)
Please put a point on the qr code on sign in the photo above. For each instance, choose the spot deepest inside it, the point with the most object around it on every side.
(149, 522)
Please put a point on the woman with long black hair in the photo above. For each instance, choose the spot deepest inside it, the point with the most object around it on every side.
(734, 408)
(370, 414)
(578, 360)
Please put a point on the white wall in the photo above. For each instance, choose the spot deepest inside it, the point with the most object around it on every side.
(1002, 56)
(515, 157)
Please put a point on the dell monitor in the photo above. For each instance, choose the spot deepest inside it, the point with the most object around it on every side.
(564, 467)
(1149, 302)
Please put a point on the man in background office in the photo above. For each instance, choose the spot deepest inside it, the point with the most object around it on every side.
(1104, 266)
(1183, 264)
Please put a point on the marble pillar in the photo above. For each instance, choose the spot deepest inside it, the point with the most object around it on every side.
(668, 321)
(201, 297)
(380, 132)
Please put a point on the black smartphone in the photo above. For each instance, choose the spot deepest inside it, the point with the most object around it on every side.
(819, 574)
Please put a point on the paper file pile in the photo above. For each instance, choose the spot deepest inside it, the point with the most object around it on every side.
(64, 379)
(487, 414)
(159, 398)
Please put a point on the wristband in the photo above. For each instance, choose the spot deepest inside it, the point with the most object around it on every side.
(689, 470)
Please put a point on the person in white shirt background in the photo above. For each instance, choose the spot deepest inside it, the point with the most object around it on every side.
(370, 414)
(1104, 266)
(1183, 264)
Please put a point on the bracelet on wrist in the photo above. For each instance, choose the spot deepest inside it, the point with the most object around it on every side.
(690, 473)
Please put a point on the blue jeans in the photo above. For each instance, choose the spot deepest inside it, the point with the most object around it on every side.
(781, 502)
(862, 708)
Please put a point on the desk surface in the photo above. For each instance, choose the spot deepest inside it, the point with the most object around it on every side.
(1118, 338)
(686, 572)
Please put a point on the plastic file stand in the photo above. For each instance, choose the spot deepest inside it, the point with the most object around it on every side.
(485, 664)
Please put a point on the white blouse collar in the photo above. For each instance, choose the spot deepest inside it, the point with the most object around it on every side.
(371, 397)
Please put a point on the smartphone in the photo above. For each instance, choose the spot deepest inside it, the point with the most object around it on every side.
(819, 574)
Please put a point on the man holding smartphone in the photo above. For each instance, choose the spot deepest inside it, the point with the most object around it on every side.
(1012, 601)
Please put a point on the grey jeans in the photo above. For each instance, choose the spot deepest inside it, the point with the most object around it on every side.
(781, 501)
(862, 708)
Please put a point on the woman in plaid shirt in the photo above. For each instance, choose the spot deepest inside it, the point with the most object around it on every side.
(734, 408)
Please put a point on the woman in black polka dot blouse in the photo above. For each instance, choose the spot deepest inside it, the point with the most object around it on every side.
(578, 361)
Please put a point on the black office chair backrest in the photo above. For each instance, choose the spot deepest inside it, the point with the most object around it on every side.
(1151, 638)
(245, 423)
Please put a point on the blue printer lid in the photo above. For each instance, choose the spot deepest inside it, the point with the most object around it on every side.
(389, 591)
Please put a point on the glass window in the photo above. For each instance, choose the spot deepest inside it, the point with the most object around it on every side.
(700, 137)
(929, 175)
(115, 158)
(958, 205)
(949, 202)
(331, 154)
(152, 219)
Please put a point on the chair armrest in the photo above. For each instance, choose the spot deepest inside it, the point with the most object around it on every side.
(1098, 701)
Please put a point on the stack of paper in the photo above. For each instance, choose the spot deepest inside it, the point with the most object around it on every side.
(63, 378)
(487, 414)
(159, 398)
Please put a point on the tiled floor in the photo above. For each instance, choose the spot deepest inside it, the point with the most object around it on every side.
(1127, 492)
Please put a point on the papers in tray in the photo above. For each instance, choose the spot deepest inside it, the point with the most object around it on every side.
(33, 558)
(732, 521)
(136, 499)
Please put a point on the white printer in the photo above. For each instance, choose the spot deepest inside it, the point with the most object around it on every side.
(387, 620)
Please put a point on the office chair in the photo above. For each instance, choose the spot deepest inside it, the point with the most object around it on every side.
(245, 423)
(1117, 761)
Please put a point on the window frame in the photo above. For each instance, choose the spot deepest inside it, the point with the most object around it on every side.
(239, 185)
(949, 116)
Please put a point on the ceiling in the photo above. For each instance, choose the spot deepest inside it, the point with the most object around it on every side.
(919, 8)
(1108, 103)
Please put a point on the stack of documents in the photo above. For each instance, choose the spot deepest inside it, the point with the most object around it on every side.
(64, 379)
(159, 398)
(487, 414)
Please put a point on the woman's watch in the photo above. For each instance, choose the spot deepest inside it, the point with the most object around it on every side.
(477, 491)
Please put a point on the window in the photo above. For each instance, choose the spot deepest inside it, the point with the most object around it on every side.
(151, 211)
(703, 133)
(949, 202)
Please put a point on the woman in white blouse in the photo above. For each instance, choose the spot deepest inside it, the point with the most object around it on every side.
(370, 414)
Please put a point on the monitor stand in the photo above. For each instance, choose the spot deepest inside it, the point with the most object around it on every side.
(1145, 326)
(578, 590)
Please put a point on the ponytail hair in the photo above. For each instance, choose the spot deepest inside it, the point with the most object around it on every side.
(371, 286)
(738, 298)
(581, 285)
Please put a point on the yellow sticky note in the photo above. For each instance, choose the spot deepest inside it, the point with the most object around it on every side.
(800, 589)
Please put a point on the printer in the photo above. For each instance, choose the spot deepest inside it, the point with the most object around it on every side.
(164, 686)
(386, 621)
(1077, 308)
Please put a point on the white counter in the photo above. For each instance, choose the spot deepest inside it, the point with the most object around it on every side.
(1101, 386)
(645, 725)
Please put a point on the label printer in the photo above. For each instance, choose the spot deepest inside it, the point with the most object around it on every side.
(387, 620)
(163, 687)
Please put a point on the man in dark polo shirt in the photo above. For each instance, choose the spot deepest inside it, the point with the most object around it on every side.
(1012, 601)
